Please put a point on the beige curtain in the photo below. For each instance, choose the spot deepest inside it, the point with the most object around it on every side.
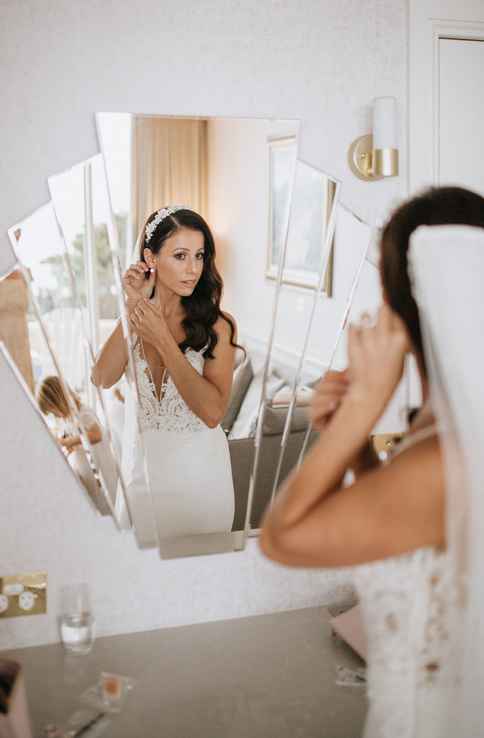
(14, 332)
(169, 166)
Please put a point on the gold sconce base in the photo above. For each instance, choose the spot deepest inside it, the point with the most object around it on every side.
(371, 164)
(386, 162)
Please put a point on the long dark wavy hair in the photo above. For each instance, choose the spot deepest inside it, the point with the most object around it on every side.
(202, 307)
(435, 206)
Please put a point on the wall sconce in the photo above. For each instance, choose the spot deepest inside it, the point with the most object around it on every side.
(375, 156)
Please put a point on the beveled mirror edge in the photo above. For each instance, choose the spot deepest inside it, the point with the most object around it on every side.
(344, 317)
(113, 239)
(99, 396)
(265, 374)
(318, 292)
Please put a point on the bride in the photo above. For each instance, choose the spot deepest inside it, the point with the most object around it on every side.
(183, 350)
(412, 553)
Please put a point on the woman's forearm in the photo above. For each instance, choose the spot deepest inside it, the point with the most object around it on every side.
(201, 396)
(323, 468)
(111, 360)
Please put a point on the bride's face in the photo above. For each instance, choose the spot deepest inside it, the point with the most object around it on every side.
(179, 263)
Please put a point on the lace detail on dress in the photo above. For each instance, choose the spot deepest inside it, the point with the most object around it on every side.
(435, 653)
(408, 605)
(171, 411)
(405, 603)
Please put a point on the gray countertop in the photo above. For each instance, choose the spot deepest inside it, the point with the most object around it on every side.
(270, 676)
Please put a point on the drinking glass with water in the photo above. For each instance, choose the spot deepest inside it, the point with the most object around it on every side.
(76, 622)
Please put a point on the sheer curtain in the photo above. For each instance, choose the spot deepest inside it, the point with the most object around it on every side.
(169, 166)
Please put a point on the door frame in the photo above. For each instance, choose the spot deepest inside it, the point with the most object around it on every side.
(429, 21)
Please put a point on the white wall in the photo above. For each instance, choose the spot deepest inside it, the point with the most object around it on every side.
(319, 61)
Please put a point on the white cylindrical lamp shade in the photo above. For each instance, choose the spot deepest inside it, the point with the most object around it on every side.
(385, 123)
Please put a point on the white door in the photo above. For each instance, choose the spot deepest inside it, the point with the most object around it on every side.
(461, 113)
(446, 99)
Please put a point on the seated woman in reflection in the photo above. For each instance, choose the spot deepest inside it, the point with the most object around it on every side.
(52, 400)
(184, 348)
(392, 514)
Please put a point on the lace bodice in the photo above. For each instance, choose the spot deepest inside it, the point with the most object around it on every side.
(171, 412)
(405, 601)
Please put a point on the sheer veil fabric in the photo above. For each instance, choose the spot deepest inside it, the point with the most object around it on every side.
(447, 269)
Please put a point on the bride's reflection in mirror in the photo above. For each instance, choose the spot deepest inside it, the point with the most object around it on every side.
(184, 353)
(219, 169)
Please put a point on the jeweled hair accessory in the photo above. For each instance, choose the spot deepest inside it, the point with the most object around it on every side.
(160, 215)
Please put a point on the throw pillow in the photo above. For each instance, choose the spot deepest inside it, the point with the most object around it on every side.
(243, 376)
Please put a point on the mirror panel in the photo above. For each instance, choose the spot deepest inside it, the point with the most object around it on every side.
(42, 331)
(352, 240)
(220, 169)
(81, 202)
(324, 315)
(304, 262)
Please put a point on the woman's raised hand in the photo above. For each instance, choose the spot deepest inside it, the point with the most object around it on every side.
(327, 396)
(135, 284)
(376, 359)
(148, 322)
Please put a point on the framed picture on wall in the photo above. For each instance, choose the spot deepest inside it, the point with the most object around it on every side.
(309, 218)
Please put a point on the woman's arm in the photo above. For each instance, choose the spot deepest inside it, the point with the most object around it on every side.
(387, 511)
(94, 435)
(111, 361)
(206, 395)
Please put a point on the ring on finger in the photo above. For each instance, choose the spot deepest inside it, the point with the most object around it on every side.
(366, 320)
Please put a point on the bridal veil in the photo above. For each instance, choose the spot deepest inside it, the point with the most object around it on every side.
(447, 271)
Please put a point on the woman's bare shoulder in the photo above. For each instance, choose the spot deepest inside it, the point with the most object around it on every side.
(390, 510)
(422, 447)
(402, 502)
(225, 326)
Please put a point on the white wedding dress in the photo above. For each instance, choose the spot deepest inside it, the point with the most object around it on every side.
(424, 611)
(190, 504)
(404, 602)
